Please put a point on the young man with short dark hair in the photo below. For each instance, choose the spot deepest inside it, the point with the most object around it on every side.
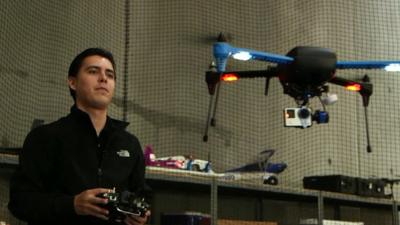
(65, 165)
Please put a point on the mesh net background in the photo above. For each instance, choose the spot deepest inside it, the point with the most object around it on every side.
(162, 50)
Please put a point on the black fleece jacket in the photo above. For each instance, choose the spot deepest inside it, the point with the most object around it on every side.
(66, 157)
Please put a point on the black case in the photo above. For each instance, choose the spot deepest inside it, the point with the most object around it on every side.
(334, 183)
(371, 187)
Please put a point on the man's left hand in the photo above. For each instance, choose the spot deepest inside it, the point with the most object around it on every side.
(137, 220)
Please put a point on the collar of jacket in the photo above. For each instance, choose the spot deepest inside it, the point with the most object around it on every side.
(84, 117)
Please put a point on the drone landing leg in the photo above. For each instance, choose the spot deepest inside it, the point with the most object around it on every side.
(213, 121)
(210, 118)
(366, 92)
(267, 86)
(369, 149)
(205, 137)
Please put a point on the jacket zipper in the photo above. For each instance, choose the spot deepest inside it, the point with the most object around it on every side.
(99, 176)
(99, 169)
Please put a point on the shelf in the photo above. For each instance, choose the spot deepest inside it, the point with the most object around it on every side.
(175, 175)
(10, 159)
(256, 186)
(352, 199)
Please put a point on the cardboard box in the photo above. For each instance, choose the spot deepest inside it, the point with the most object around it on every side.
(186, 218)
(244, 222)
(313, 221)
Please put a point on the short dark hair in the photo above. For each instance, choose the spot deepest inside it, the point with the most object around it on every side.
(77, 62)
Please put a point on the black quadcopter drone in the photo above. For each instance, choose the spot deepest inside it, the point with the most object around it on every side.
(303, 73)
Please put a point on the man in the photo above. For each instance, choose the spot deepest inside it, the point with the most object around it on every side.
(65, 165)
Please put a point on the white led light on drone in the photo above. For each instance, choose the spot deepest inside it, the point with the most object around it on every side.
(394, 67)
(242, 56)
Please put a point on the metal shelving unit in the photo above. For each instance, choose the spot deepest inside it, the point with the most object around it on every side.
(321, 198)
(215, 184)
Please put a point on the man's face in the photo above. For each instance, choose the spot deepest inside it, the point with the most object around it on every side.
(95, 83)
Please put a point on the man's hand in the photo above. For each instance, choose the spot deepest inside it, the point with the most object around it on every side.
(87, 203)
(137, 220)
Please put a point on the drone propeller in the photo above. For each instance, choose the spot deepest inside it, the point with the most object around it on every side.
(19, 73)
(210, 38)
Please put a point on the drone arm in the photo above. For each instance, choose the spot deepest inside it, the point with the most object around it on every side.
(342, 81)
(368, 65)
(268, 73)
(222, 51)
(365, 87)
(262, 56)
(212, 77)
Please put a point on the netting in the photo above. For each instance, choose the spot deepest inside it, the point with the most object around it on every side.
(162, 50)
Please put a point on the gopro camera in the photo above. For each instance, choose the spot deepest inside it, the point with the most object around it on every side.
(123, 204)
(298, 117)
